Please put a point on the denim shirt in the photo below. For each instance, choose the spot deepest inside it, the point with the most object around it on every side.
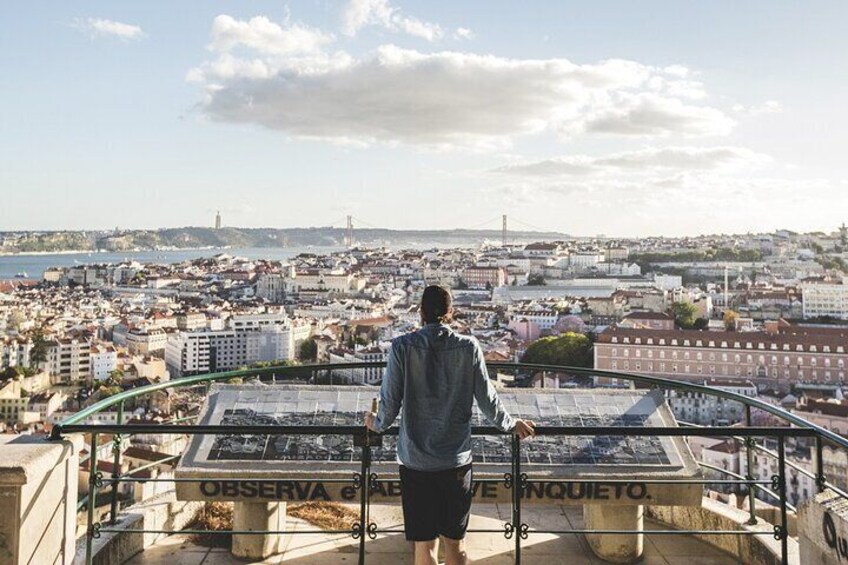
(436, 374)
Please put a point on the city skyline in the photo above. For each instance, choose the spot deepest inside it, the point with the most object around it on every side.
(629, 121)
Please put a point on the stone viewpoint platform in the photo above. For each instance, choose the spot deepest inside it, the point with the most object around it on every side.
(610, 477)
(484, 549)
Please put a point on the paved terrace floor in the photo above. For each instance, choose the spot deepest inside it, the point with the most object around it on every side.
(484, 549)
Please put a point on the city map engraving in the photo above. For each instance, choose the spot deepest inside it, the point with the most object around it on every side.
(338, 406)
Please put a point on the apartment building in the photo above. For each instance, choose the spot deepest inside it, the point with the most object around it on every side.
(825, 298)
(481, 277)
(146, 341)
(786, 355)
(370, 375)
(103, 360)
(69, 360)
(255, 322)
(46, 403)
(13, 404)
(320, 280)
(191, 353)
(544, 319)
(15, 352)
(710, 410)
(191, 321)
(648, 321)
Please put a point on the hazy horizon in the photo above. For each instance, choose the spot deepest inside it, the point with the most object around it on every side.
(526, 232)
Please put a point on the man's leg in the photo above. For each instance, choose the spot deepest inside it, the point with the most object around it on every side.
(455, 551)
(427, 552)
(420, 514)
(455, 510)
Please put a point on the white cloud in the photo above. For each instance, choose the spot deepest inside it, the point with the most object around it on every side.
(436, 99)
(715, 202)
(644, 161)
(463, 33)
(649, 114)
(99, 27)
(767, 107)
(361, 13)
(265, 37)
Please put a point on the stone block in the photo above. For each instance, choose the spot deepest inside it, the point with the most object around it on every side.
(38, 497)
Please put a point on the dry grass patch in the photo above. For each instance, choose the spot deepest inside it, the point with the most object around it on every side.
(325, 515)
(218, 516)
(214, 517)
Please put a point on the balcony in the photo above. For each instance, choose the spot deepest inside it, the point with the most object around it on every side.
(513, 527)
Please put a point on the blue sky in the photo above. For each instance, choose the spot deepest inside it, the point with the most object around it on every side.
(622, 118)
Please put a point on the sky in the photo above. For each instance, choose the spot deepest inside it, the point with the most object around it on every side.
(618, 118)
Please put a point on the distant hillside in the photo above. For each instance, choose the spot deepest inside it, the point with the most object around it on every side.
(192, 237)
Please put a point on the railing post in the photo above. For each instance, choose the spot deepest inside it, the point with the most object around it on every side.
(364, 496)
(92, 528)
(782, 532)
(821, 479)
(517, 492)
(116, 466)
(750, 442)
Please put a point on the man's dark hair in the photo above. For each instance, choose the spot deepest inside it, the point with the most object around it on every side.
(435, 304)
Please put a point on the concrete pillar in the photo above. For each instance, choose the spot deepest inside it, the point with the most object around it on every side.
(253, 516)
(615, 548)
(823, 529)
(38, 499)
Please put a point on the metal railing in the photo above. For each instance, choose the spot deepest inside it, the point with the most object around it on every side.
(516, 480)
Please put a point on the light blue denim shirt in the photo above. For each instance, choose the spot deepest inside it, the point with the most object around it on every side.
(435, 374)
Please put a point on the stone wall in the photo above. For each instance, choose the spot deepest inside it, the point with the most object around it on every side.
(38, 499)
(162, 512)
(714, 515)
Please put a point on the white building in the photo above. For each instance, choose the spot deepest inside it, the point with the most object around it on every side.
(825, 298)
(15, 353)
(255, 322)
(68, 360)
(544, 319)
(584, 259)
(204, 352)
(271, 343)
(709, 410)
(146, 341)
(104, 360)
(191, 353)
(318, 280)
(192, 321)
(370, 375)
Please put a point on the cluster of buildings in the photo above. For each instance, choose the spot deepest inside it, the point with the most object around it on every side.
(768, 311)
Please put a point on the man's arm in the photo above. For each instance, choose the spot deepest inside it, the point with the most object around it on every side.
(391, 393)
(487, 397)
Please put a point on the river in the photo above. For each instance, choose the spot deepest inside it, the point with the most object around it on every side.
(34, 265)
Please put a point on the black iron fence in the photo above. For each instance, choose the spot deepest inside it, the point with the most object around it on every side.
(517, 481)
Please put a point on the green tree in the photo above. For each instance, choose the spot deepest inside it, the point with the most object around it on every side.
(684, 314)
(308, 350)
(570, 349)
(730, 317)
(536, 280)
(38, 353)
(116, 377)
